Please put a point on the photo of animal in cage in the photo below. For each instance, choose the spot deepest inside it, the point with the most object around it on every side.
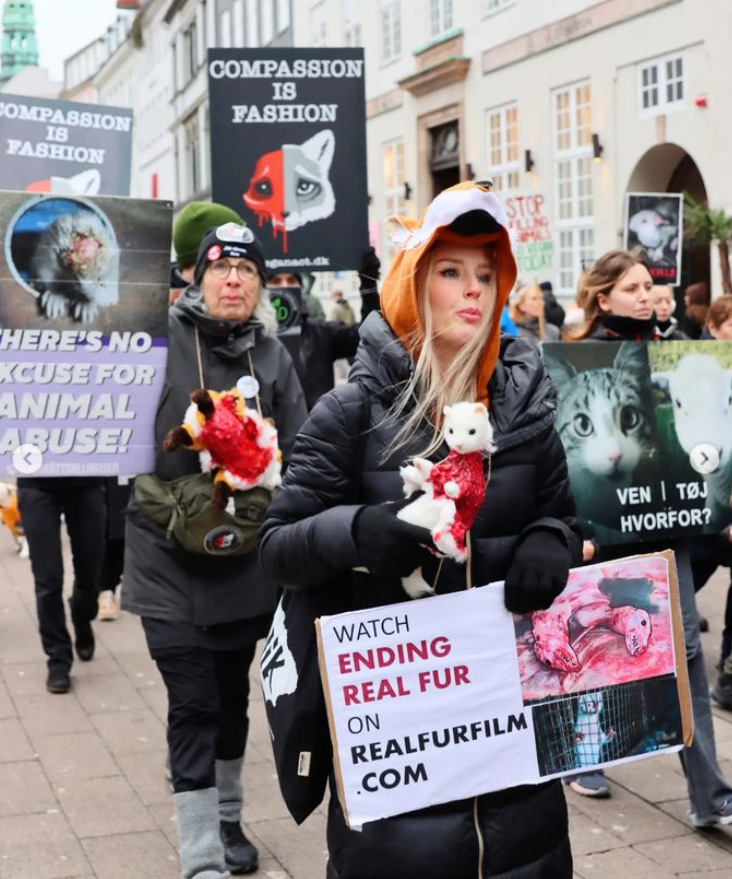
(602, 726)
(611, 625)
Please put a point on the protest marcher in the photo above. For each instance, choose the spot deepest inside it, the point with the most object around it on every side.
(438, 342)
(341, 309)
(191, 224)
(42, 502)
(696, 302)
(619, 307)
(322, 342)
(553, 311)
(527, 311)
(118, 497)
(664, 306)
(202, 614)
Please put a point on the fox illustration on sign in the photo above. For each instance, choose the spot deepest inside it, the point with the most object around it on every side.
(290, 187)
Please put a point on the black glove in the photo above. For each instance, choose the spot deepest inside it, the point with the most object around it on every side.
(370, 271)
(538, 572)
(387, 546)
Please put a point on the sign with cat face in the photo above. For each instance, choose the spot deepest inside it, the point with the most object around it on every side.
(653, 222)
(634, 419)
(288, 151)
(64, 147)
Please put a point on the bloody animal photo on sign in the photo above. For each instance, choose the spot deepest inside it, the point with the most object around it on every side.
(611, 625)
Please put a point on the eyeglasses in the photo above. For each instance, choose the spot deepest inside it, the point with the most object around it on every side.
(245, 270)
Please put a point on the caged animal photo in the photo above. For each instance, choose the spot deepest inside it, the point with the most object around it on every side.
(610, 625)
(605, 422)
(601, 726)
(66, 253)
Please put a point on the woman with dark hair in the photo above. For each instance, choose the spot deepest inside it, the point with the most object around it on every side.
(618, 301)
(438, 343)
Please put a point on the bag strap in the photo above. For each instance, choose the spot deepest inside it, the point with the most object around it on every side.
(200, 368)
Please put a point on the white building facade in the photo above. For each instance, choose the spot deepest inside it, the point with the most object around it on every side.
(577, 101)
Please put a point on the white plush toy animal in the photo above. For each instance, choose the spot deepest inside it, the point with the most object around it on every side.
(453, 490)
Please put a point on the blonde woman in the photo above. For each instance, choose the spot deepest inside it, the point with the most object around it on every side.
(438, 342)
(526, 307)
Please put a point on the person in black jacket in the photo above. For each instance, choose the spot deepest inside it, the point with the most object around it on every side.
(618, 305)
(323, 342)
(437, 343)
(202, 614)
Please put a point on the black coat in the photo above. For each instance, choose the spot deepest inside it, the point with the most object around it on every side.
(161, 580)
(307, 540)
(320, 344)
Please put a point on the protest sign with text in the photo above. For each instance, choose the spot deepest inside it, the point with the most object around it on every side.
(64, 147)
(83, 331)
(632, 417)
(529, 222)
(654, 223)
(451, 697)
(288, 151)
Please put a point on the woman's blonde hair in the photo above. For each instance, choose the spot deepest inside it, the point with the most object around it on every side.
(429, 390)
(601, 277)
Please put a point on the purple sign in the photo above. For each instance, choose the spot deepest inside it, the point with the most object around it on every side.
(83, 333)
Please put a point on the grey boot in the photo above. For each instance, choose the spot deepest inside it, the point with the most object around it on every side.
(241, 856)
(199, 840)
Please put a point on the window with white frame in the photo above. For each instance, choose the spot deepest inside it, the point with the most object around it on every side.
(440, 16)
(503, 147)
(268, 22)
(226, 29)
(283, 15)
(190, 52)
(390, 16)
(237, 23)
(573, 159)
(192, 154)
(318, 29)
(394, 186)
(491, 6)
(252, 24)
(661, 85)
(352, 12)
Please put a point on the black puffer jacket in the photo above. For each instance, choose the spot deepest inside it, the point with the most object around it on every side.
(307, 540)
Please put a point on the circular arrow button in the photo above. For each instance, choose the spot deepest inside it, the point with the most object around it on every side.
(27, 459)
(704, 458)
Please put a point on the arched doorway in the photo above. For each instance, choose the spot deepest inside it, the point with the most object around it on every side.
(667, 167)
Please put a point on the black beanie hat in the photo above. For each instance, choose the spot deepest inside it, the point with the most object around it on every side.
(271, 273)
(230, 239)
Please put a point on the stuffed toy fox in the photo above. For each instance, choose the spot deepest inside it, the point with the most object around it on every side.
(453, 490)
(234, 443)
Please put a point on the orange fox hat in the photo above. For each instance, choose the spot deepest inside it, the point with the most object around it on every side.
(468, 213)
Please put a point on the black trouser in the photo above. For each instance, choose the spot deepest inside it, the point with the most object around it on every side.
(208, 696)
(707, 554)
(85, 514)
(114, 560)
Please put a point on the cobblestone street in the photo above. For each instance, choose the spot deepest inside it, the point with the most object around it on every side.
(83, 794)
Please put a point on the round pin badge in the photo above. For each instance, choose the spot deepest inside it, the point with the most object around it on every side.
(213, 253)
(248, 387)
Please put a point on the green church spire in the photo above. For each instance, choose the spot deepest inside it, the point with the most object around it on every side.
(19, 48)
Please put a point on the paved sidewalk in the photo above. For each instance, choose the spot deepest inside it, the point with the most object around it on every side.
(82, 792)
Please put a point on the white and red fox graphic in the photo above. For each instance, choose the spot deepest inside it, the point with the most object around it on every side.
(85, 183)
(290, 186)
